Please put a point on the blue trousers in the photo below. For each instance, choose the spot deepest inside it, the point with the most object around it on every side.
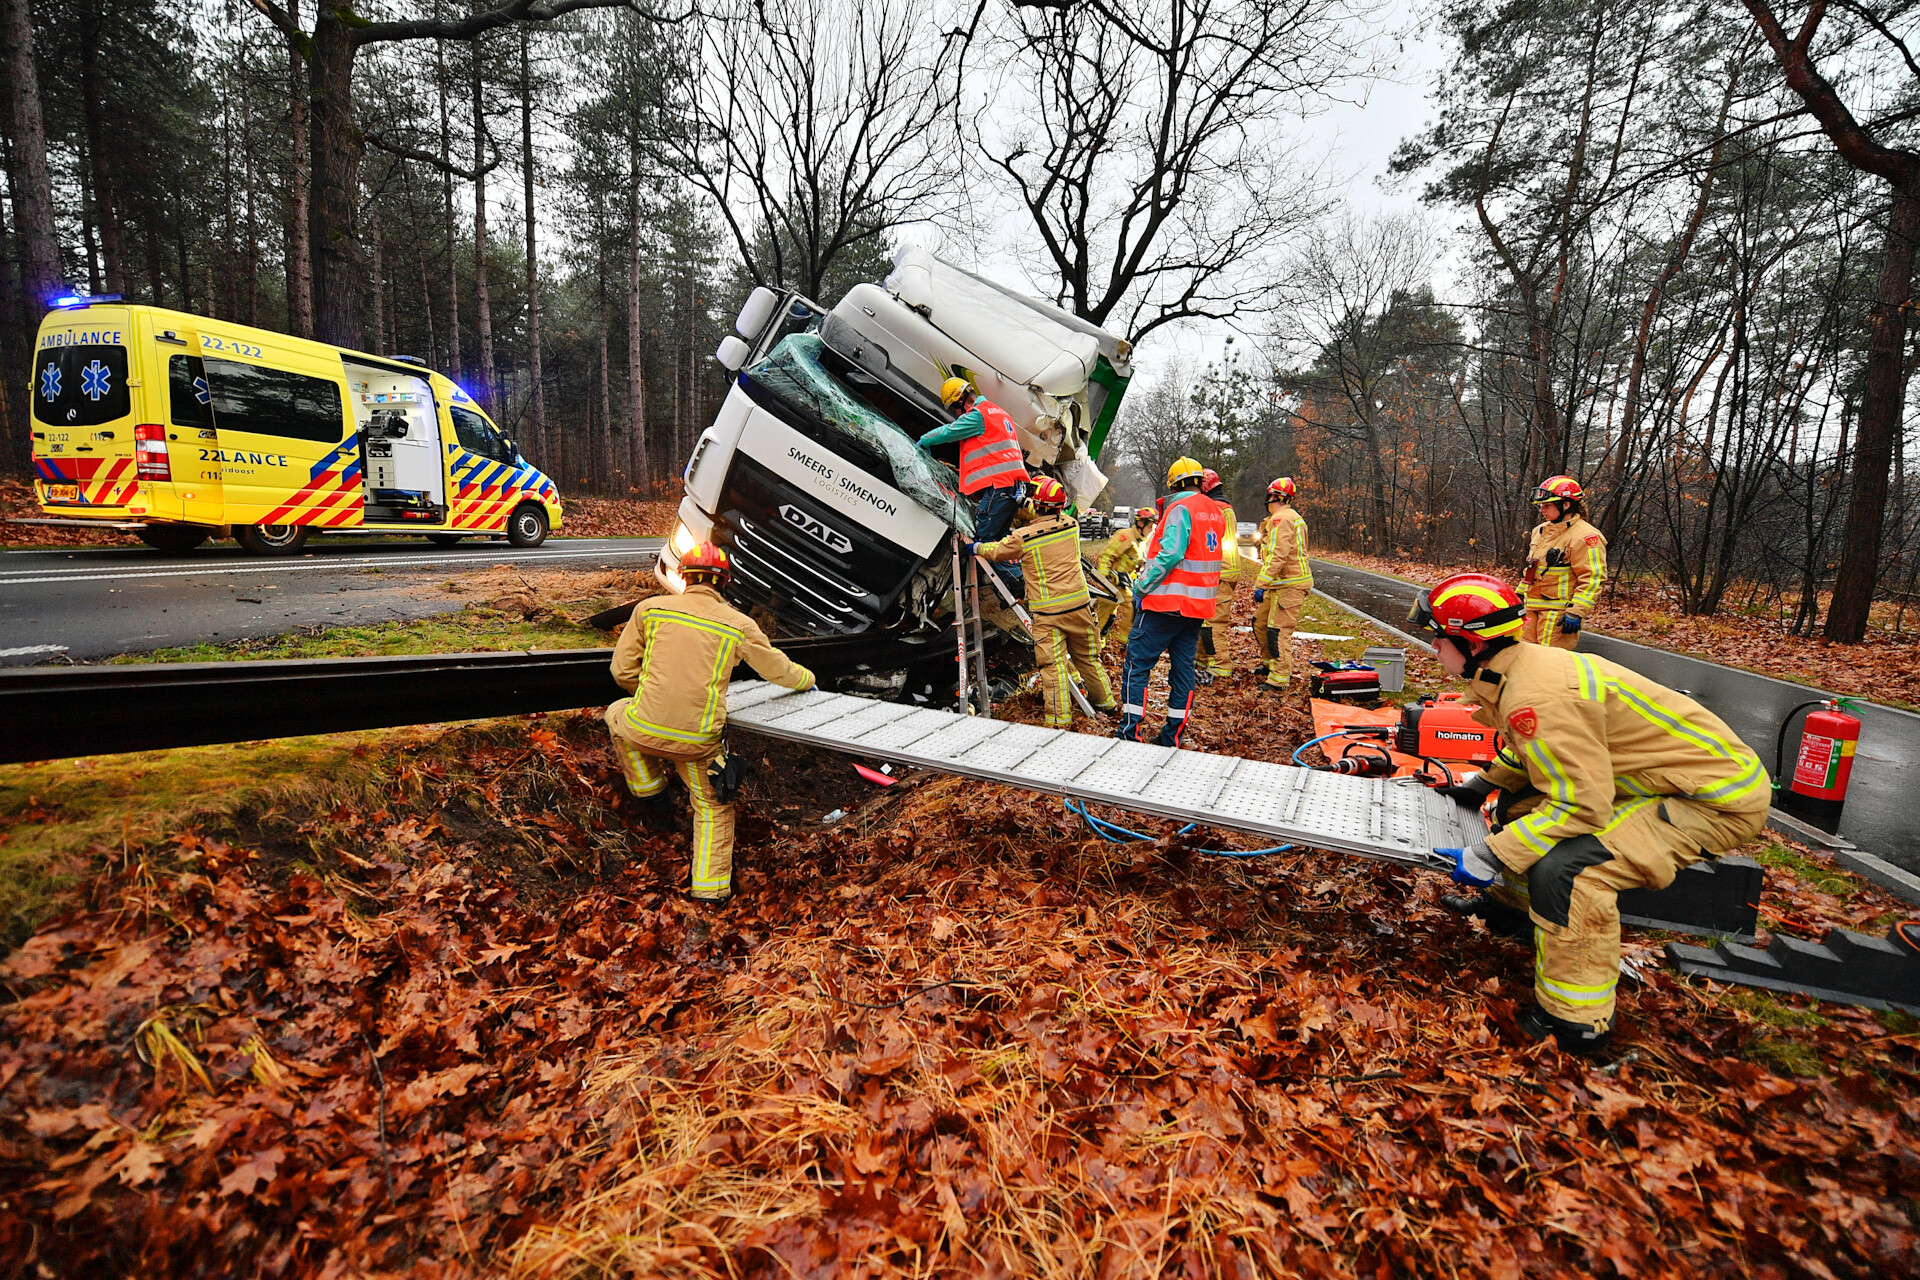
(993, 512)
(1153, 634)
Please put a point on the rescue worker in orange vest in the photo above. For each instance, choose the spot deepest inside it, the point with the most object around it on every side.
(993, 469)
(1118, 563)
(1173, 598)
(676, 656)
(1216, 637)
(1285, 578)
(1048, 548)
(1566, 563)
(1624, 782)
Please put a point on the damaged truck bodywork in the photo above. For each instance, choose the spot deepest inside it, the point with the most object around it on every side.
(836, 522)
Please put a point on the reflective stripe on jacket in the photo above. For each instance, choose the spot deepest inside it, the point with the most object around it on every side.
(1594, 737)
(1191, 526)
(1566, 565)
(677, 654)
(1229, 544)
(1122, 554)
(1283, 555)
(992, 459)
(1049, 555)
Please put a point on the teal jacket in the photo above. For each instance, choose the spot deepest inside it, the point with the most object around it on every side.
(965, 427)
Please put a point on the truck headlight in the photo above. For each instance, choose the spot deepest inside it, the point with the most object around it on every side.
(683, 539)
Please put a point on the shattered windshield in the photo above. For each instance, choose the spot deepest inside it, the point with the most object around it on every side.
(792, 373)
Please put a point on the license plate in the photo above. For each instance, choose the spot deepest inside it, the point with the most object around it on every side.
(63, 493)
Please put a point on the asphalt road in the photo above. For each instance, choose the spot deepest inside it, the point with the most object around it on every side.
(100, 601)
(1880, 815)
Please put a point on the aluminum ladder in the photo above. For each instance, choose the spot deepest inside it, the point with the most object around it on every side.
(1393, 819)
(975, 696)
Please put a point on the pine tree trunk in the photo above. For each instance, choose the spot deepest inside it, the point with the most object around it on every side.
(31, 187)
(482, 303)
(299, 186)
(605, 451)
(639, 475)
(379, 285)
(537, 398)
(1883, 395)
(253, 225)
(446, 190)
(426, 311)
(108, 226)
(335, 185)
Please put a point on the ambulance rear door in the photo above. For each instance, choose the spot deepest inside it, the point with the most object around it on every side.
(179, 400)
(83, 414)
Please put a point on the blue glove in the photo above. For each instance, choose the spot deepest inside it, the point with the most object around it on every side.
(1569, 623)
(1139, 596)
(1472, 865)
(968, 547)
(1259, 594)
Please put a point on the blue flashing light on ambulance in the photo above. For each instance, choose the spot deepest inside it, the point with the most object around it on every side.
(180, 428)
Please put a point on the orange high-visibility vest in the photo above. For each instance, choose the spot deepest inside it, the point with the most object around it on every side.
(1189, 586)
(992, 459)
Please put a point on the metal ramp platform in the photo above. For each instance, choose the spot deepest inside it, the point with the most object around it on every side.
(1396, 820)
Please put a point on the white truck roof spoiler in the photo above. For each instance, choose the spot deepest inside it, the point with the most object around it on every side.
(1031, 358)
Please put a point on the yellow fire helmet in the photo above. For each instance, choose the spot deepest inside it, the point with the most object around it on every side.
(1184, 469)
(953, 390)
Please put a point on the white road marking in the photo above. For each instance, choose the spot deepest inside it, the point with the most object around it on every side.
(35, 576)
(24, 650)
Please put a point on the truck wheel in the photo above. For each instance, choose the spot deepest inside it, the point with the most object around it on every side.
(445, 539)
(172, 539)
(528, 526)
(272, 539)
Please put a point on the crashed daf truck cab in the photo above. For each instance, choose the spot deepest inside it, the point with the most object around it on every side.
(837, 523)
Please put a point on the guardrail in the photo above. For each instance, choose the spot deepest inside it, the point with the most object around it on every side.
(53, 713)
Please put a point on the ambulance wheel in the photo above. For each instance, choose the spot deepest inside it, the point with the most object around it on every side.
(528, 526)
(172, 540)
(272, 539)
(445, 539)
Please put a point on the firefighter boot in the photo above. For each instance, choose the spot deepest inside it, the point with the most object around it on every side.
(1572, 1037)
(1508, 922)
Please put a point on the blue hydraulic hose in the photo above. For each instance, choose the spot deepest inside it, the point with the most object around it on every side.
(1105, 830)
(1312, 741)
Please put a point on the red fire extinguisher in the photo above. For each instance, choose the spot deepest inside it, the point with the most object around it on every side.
(1824, 764)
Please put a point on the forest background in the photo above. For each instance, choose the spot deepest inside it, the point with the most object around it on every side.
(1664, 245)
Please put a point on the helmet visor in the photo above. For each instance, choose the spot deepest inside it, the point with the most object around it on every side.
(1421, 615)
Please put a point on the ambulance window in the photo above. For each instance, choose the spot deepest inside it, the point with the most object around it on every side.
(80, 386)
(473, 433)
(274, 402)
(188, 400)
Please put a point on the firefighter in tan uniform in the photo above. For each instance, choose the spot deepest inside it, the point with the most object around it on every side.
(1566, 565)
(1048, 549)
(676, 655)
(1118, 563)
(1216, 638)
(1285, 579)
(1626, 782)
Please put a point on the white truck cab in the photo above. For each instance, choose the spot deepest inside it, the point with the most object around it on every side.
(836, 522)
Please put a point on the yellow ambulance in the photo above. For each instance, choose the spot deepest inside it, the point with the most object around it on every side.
(181, 428)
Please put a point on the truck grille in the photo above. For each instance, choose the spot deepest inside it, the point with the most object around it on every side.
(806, 584)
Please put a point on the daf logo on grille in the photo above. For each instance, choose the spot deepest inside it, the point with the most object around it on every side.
(815, 529)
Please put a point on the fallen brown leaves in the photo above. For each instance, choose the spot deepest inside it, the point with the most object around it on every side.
(635, 517)
(1886, 668)
(478, 1031)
